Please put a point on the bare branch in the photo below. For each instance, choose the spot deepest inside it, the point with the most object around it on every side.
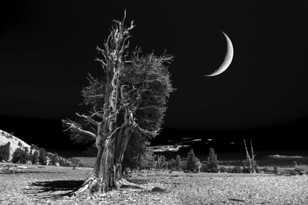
(75, 127)
(101, 61)
(95, 96)
(103, 53)
(247, 153)
(252, 152)
(97, 113)
(87, 118)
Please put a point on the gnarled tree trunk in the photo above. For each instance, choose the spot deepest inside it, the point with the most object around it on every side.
(107, 173)
(115, 99)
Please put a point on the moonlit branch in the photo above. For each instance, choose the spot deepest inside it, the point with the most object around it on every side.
(73, 126)
(87, 118)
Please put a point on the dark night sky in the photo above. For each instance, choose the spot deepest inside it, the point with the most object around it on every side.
(48, 47)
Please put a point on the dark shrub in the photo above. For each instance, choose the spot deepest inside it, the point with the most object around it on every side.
(192, 163)
(266, 170)
(275, 170)
(299, 171)
(212, 158)
(161, 162)
(236, 169)
(246, 169)
(54, 158)
(212, 165)
(74, 162)
(203, 167)
(230, 169)
(42, 156)
(223, 169)
(178, 162)
(5, 152)
(27, 153)
(64, 162)
(19, 156)
(172, 164)
(35, 157)
(146, 160)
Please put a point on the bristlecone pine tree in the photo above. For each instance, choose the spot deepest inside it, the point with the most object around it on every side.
(128, 98)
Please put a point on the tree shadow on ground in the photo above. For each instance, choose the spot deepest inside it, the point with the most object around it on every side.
(53, 189)
(138, 181)
(27, 172)
(61, 188)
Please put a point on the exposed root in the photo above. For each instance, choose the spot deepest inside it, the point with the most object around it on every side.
(94, 184)
(124, 183)
(87, 185)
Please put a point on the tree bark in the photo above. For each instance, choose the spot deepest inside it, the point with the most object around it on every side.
(107, 173)
(114, 130)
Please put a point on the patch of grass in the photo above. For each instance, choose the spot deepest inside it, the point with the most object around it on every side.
(86, 161)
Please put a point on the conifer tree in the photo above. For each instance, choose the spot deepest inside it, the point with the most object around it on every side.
(192, 161)
(5, 152)
(212, 165)
(178, 162)
(128, 98)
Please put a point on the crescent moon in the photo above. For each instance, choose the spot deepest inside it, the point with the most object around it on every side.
(227, 60)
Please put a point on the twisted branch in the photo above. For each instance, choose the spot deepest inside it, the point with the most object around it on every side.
(75, 127)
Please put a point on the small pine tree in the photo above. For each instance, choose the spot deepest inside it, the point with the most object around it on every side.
(178, 162)
(147, 160)
(275, 170)
(5, 152)
(35, 157)
(19, 156)
(74, 162)
(42, 156)
(171, 164)
(212, 155)
(27, 154)
(161, 162)
(54, 158)
(193, 162)
(212, 165)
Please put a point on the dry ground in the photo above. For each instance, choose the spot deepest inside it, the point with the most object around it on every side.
(48, 185)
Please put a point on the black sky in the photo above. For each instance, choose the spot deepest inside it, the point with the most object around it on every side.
(47, 48)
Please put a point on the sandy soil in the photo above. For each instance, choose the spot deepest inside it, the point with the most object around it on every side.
(48, 185)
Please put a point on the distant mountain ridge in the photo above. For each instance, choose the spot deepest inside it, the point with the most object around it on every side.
(15, 142)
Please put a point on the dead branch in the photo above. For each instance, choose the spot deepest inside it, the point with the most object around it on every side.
(101, 61)
(251, 148)
(247, 153)
(87, 118)
(75, 127)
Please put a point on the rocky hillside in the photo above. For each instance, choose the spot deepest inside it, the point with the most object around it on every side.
(51, 158)
(15, 142)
